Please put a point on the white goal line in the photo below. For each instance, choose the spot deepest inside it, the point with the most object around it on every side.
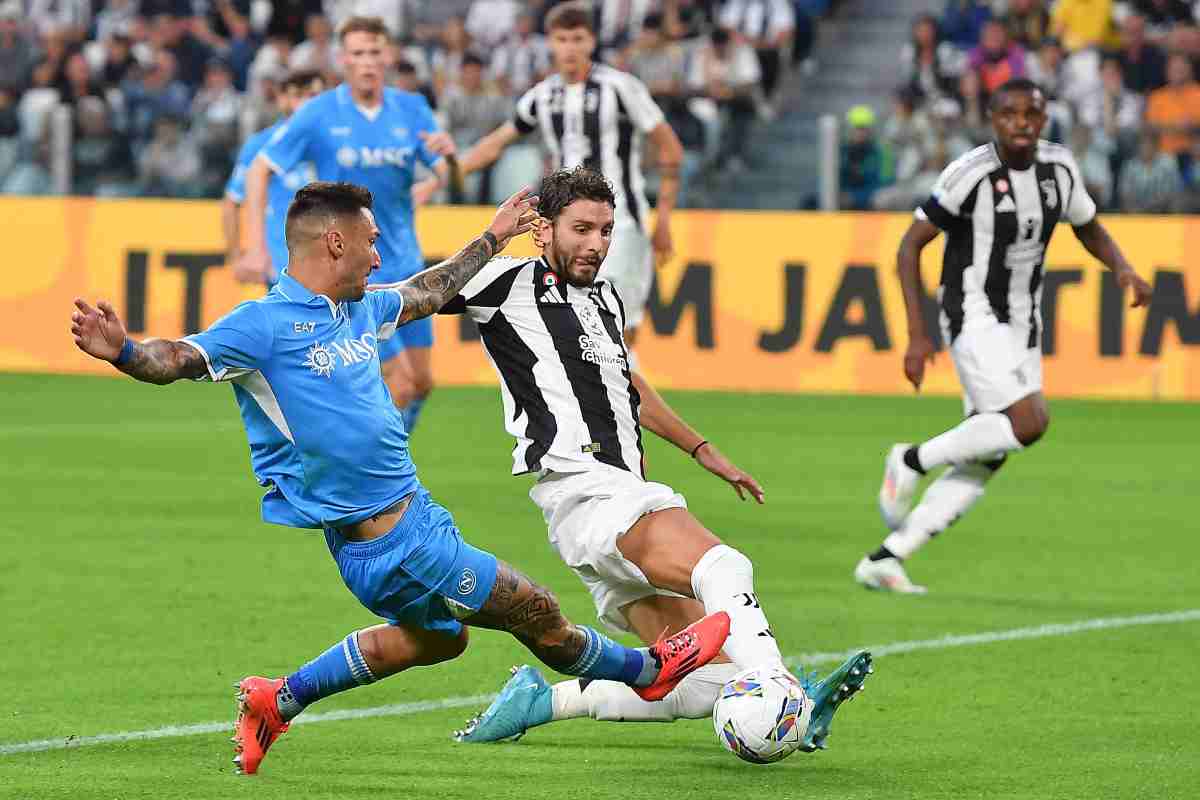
(803, 660)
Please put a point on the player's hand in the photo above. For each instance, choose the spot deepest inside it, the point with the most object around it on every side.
(423, 192)
(515, 216)
(1142, 291)
(439, 143)
(742, 482)
(664, 245)
(253, 267)
(98, 332)
(920, 350)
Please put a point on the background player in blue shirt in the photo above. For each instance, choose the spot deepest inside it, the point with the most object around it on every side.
(372, 135)
(297, 87)
(332, 451)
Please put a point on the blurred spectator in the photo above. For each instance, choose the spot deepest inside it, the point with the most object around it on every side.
(1045, 66)
(154, 92)
(288, 18)
(767, 26)
(940, 142)
(727, 71)
(429, 18)
(218, 103)
(1112, 110)
(272, 59)
(397, 15)
(1093, 155)
(932, 65)
(974, 119)
(10, 133)
(863, 163)
(489, 22)
(69, 18)
(1144, 65)
(521, 60)
(317, 49)
(996, 59)
(170, 164)
(662, 64)
(222, 17)
(1027, 22)
(112, 59)
(963, 20)
(114, 17)
(76, 82)
(906, 132)
(101, 161)
(618, 25)
(191, 55)
(447, 59)
(473, 109)
(1082, 23)
(1170, 23)
(1150, 183)
(1174, 111)
(16, 50)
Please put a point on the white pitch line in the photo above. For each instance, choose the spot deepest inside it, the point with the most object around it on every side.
(806, 660)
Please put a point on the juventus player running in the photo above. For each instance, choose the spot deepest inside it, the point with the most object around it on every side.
(998, 206)
(593, 115)
(553, 332)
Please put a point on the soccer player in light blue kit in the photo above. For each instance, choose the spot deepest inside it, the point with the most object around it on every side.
(329, 445)
(296, 88)
(372, 135)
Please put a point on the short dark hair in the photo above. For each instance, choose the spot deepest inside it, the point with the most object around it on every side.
(568, 16)
(1015, 85)
(472, 59)
(325, 198)
(561, 188)
(404, 68)
(373, 25)
(302, 79)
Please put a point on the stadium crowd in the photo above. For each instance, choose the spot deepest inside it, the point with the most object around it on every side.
(162, 92)
(1119, 77)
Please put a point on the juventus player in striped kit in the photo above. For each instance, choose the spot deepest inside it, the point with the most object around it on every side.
(553, 331)
(998, 206)
(593, 115)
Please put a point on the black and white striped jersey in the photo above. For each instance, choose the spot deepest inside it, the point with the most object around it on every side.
(601, 123)
(998, 222)
(564, 369)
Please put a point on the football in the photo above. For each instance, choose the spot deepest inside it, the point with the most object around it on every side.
(762, 715)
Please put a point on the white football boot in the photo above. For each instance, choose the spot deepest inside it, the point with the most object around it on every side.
(898, 488)
(886, 575)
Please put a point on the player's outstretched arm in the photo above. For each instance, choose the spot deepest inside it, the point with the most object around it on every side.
(100, 333)
(1094, 237)
(661, 420)
(488, 149)
(908, 264)
(427, 291)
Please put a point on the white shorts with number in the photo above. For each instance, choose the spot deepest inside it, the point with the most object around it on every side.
(586, 512)
(630, 267)
(996, 366)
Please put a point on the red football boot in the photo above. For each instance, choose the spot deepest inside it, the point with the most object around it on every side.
(258, 722)
(679, 655)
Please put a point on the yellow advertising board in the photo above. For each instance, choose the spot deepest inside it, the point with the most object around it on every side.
(786, 302)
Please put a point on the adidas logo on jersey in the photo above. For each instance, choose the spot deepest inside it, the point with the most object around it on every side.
(1006, 204)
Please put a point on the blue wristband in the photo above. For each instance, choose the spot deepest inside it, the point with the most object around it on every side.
(126, 352)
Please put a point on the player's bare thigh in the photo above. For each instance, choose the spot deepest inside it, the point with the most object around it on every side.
(666, 545)
(1030, 417)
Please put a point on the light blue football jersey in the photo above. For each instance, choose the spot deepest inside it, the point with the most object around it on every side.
(280, 191)
(378, 150)
(324, 435)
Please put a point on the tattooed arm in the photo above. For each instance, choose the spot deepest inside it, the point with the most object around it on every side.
(100, 333)
(429, 290)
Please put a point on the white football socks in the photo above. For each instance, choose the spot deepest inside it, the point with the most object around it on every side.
(946, 499)
(723, 580)
(693, 698)
(981, 437)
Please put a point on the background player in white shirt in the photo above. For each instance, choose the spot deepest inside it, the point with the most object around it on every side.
(593, 115)
(998, 206)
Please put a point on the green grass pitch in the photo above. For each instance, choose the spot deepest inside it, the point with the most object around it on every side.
(138, 584)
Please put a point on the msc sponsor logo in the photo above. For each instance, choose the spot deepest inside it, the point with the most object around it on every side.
(322, 359)
(350, 157)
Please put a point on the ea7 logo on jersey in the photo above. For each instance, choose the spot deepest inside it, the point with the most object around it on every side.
(350, 157)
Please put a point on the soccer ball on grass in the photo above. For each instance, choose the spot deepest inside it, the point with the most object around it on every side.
(762, 714)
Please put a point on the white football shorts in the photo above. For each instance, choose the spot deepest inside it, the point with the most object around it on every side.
(995, 366)
(629, 266)
(586, 512)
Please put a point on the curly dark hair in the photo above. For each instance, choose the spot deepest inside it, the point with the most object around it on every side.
(561, 188)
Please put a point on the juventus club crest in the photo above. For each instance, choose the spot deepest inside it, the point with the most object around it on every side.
(1050, 191)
